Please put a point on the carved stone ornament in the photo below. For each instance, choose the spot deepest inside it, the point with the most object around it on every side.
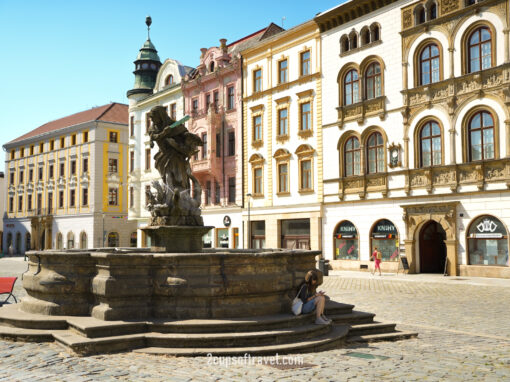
(395, 152)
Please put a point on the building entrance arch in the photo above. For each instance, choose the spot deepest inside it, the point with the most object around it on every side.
(432, 247)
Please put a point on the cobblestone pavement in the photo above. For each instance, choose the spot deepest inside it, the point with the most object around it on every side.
(464, 335)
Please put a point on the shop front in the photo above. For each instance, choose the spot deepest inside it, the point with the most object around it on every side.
(384, 237)
(295, 234)
(346, 241)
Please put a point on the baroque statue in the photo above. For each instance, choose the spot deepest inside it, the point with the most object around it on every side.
(171, 202)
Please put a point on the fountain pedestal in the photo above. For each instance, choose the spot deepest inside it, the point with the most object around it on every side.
(176, 239)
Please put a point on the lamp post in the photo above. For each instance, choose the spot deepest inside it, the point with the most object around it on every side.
(103, 214)
(249, 224)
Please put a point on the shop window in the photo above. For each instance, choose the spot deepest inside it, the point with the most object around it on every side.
(295, 234)
(384, 237)
(222, 237)
(488, 242)
(70, 240)
(346, 242)
(258, 234)
(113, 239)
(83, 240)
(207, 239)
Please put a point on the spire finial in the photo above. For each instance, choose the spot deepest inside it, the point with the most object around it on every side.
(148, 22)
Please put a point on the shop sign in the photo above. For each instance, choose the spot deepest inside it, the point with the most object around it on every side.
(227, 221)
(346, 230)
(487, 235)
(384, 229)
(487, 225)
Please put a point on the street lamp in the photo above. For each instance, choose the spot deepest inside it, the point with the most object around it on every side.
(249, 224)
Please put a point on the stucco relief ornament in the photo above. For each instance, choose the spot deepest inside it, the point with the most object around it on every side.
(172, 203)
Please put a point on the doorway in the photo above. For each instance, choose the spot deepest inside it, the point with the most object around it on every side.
(432, 248)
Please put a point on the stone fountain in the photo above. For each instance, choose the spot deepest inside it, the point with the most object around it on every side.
(227, 301)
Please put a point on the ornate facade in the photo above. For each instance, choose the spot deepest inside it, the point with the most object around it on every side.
(417, 114)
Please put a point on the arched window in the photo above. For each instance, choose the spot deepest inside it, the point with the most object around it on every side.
(344, 44)
(375, 32)
(113, 239)
(365, 36)
(351, 87)
(70, 240)
(481, 136)
(211, 66)
(487, 242)
(384, 237)
(346, 241)
(429, 65)
(433, 12)
(373, 81)
(353, 40)
(169, 80)
(375, 153)
(420, 15)
(479, 50)
(59, 240)
(83, 240)
(430, 144)
(352, 157)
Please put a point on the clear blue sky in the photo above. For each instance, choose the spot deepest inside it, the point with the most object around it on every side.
(62, 57)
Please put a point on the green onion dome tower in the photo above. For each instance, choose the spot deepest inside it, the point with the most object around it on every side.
(147, 65)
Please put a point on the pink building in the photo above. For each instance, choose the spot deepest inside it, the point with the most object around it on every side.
(213, 99)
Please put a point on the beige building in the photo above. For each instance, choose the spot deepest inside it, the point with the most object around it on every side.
(67, 183)
(282, 140)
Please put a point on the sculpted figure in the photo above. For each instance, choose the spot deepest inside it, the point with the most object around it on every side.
(172, 203)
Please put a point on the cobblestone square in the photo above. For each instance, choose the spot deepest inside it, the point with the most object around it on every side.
(463, 326)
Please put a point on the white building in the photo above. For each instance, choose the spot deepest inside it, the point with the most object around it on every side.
(416, 132)
(67, 183)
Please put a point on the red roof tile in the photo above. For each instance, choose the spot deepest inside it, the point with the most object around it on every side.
(113, 112)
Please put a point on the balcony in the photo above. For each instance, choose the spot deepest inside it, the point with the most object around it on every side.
(361, 110)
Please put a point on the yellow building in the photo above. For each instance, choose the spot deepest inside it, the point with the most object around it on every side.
(66, 183)
(282, 140)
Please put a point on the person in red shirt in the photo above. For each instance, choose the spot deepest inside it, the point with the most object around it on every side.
(377, 256)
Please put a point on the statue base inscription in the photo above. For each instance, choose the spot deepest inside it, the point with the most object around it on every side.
(175, 239)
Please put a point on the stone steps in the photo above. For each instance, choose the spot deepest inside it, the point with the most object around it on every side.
(372, 328)
(394, 336)
(352, 318)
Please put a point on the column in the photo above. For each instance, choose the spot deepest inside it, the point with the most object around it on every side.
(452, 66)
(507, 130)
(409, 245)
(452, 145)
(404, 75)
(406, 152)
(507, 48)
(451, 255)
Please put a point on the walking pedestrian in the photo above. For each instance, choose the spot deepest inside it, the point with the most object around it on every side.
(377, 256)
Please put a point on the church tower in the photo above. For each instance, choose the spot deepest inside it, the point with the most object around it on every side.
(147, 65)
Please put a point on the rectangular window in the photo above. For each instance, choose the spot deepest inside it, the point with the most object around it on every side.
(173, 111)
(72, 198)
(232, 190)
(61, 199)
(20, 203)
(73, 140)
(21, 176)
(306, 116)
(257, 128)
(208, 192)
(113, 197)
(283, 122)
(31, 149)
(13, 154)
(148, 159)
(131, 197)
(305, 63)
(62, 169)
(218, 145)
(84, 196)
(62, 142)
(283, 72)
(52, 145)
(231, 144)
(216, 100)
(41, 148)
(194, 106)
(29, 202)
(132, 126)
(204, 147)
(11, 178)
(147, 123)
(306, 175)
(11, 204)
(257, 80)
(85, 165)
(85, 136)
(207, 101)
(230, 99)
(51, 171)
(257, 181)
(113, 137)
(30, 175)
(50, 202)
(217, 193)
(39, 204)
(40, 173)
(283, 178)
(22, 152)
(73, 167)
(131, 161)
(112, 165)
(147, 193)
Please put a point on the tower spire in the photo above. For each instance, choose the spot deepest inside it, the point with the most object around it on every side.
(148, 22)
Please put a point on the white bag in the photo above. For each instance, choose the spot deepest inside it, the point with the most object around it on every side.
(297, 304)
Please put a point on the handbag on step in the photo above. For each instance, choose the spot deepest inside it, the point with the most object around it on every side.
(297, 303)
